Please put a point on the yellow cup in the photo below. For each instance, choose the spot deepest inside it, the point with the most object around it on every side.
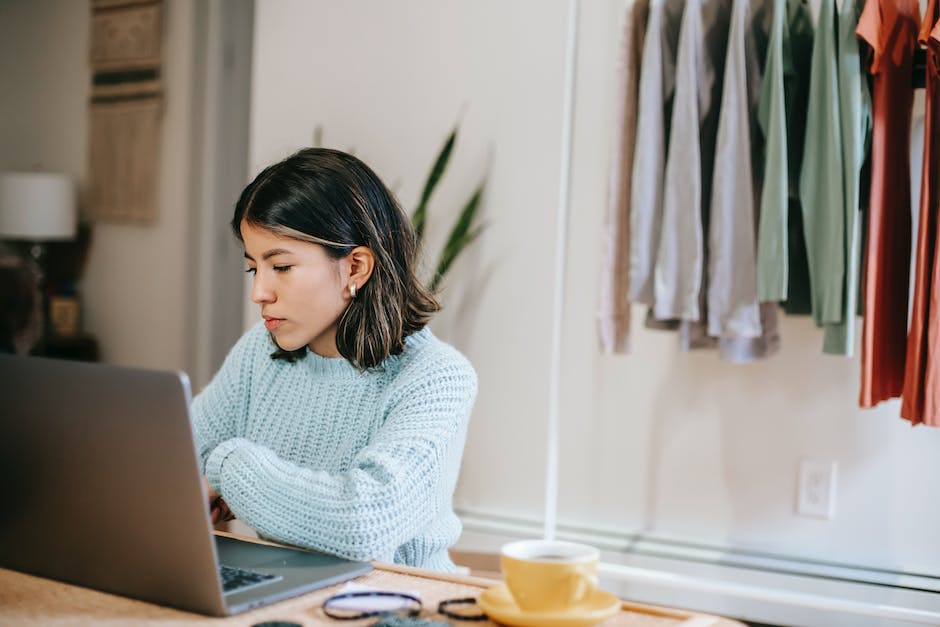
(549, 575)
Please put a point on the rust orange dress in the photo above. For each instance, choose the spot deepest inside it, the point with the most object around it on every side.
(932, 377)
(921, 399)
(890, 28)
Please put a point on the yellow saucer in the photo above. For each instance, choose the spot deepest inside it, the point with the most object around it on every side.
(499, 605)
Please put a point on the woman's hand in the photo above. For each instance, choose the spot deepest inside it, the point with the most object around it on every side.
(218, 508)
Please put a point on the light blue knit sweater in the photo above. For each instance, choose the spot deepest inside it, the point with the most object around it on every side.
(319, 455)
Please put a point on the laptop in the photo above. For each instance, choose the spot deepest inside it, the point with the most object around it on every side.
(100, 487)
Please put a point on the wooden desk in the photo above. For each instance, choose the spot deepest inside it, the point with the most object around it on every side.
(26, 601)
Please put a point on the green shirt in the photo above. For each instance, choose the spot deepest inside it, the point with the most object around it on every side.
(855, 110)
(821, 190)
(780, 276)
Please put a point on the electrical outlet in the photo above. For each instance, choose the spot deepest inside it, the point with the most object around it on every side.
(816, 496)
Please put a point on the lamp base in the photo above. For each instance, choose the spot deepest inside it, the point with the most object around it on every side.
(20, 307)
(37, 251)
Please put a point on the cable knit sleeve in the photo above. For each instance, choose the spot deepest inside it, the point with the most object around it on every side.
(220, 408)
(395, 487)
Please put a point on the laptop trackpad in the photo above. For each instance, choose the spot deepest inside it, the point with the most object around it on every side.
(264, 557)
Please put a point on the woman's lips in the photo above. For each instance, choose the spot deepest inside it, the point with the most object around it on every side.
(272, 323)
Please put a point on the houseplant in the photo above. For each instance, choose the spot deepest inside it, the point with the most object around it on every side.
(464, 229)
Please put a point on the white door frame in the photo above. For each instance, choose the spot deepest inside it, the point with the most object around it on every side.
(221, 111)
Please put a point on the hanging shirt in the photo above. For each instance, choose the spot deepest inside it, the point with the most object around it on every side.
(614, 317)
(680, 262)
(855, 122)
(920, 402)
(821, 190)
(890, 28)
(746, 332)
(654, 115)
(797, 54)
(782, 117)
(737, 348)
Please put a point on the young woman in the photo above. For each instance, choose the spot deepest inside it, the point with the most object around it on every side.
(338, 421)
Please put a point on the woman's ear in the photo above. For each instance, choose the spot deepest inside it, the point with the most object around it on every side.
(361, 263)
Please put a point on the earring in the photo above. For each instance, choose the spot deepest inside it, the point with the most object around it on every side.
(352, 290)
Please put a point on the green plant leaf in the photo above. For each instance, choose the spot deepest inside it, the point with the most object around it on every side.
(440, 164)
(461, 235)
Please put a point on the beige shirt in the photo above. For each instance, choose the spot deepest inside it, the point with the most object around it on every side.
(614, 315)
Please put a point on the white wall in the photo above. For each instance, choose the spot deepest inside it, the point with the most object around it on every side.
(43, 85)
(678, 445)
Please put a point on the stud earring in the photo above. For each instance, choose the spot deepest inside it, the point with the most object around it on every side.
(352, 290)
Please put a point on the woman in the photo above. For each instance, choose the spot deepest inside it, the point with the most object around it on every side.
(338, 422)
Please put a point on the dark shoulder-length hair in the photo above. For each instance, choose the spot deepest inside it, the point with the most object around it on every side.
(331, 198)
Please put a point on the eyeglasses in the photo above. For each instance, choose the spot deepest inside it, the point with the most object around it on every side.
(335, 609)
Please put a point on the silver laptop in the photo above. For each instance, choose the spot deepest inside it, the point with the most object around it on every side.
(100, 487)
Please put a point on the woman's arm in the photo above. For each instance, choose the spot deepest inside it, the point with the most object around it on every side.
(220, 409)
(395, 487)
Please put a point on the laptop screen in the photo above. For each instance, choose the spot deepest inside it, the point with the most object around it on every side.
(102, 486)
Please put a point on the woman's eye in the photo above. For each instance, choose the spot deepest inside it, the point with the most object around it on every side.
(250, 271)
(281, 268)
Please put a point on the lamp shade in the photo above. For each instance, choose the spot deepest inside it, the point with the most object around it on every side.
(37, 206)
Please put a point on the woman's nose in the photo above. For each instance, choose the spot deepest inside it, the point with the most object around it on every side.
(261, 292)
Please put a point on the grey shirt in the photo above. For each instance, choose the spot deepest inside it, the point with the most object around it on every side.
(680, 260)
(654, 115)
(732, 289)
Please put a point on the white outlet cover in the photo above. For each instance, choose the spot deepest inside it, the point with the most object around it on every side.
(816, 489)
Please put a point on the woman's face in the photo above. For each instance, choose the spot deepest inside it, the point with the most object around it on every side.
(300, 289)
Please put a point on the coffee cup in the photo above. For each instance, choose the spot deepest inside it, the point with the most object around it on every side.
(549, 575)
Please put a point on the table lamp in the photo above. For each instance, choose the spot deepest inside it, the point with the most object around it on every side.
(35, 208)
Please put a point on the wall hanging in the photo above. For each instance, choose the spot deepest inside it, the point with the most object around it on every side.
(125, 110)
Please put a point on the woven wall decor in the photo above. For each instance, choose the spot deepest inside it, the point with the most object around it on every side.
(126, 110)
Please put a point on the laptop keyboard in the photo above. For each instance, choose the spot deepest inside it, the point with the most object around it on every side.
(238, 579)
